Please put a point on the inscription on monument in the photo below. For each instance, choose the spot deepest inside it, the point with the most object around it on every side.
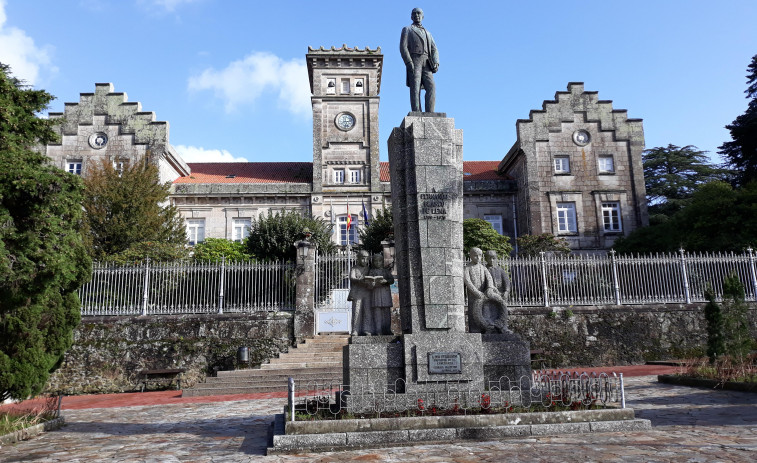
(440, 363)
(433, 206)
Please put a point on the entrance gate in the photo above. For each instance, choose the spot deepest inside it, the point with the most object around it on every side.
(333, 312)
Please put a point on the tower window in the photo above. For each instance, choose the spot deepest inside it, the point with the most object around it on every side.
(358, 86)
(338, 175)
(331, 87)
(345, 86)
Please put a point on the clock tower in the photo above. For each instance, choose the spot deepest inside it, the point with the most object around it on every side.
(345, 84)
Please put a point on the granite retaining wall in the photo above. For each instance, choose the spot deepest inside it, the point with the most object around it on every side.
(109, 352)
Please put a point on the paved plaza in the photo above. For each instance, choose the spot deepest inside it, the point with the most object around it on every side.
(689, 425)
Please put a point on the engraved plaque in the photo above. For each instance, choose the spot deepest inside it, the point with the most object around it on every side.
(442, 363)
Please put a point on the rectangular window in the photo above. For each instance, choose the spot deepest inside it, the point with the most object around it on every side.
(331, 87)
(241, 229)
(566, 218)
(606, 165)
(119, 166)
(345, 86)
(195, 231)
(611, 217)
(354, 176)
(358, 86)
(344, 233)
(73, 167)
(495, 221)
(338, 175)
(562, 165)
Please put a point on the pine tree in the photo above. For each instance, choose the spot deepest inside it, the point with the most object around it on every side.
(43, 260)
(128, 217)
(741, 151)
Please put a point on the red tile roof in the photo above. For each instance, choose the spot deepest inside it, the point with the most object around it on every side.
(249, 172)
(302, 172)
(473, 170)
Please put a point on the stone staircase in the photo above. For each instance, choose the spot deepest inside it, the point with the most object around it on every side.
(318, 359)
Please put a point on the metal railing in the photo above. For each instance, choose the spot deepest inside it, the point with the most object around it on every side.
(543, 390)
(600, 280)
(188, 287)
(332, 280)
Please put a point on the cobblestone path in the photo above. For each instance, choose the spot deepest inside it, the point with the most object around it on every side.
(689, 425)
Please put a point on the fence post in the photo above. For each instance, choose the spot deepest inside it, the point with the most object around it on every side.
(685, 276)
(615, 276)
(145, 294)
(220, 294)
(544, 279)
(752, 272)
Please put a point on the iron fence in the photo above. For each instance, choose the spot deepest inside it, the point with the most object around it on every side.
(543, 390)
(545, 281)
(188, 287)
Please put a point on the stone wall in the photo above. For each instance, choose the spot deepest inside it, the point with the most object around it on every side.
(616, 335)
(109, 352)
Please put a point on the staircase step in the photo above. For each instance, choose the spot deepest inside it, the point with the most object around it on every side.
(282, 371)
(285, 365)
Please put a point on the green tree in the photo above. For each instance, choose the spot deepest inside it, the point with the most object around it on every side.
(741, 151)
(43, 260)
(532, 245)
(380, 227)
(214, 249)
(714, 317)
(127, 215)
(672, 174)
(718, 218)
(478, 233)
(738, 342)
(272, 237)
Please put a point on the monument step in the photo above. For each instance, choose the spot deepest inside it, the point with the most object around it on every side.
(314, 364)
(208, 391)
(274, 378)
(293, 356)
(280, 371)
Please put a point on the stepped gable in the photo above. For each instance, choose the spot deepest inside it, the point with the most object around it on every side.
(110, 108)
(576, 100)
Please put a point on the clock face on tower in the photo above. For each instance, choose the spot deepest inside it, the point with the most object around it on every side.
(345, 121)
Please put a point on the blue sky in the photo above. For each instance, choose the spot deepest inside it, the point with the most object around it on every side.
(230, 76)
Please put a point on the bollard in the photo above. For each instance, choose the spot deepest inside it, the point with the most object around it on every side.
(243, 355)
(291, 398)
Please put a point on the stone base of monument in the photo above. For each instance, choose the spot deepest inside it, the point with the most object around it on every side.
(332, 435)
(428, 361)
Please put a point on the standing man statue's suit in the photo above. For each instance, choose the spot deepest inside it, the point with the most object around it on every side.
(421, 59)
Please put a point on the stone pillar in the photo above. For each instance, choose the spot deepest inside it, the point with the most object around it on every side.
(304, 317)
(426, 162)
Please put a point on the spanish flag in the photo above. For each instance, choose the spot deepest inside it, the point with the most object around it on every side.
(349, 217)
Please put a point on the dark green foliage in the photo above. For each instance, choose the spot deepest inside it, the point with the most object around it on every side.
(738, 342)
(478, 233)
(213, 249)
(43, 260)
(378, 230)
(532, 245)
(741, 151)
(125, 211)
(671, 175)
(714, 317)
(718, 218)
(272, 237)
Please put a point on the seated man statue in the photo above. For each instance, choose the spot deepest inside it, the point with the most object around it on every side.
(480, 288)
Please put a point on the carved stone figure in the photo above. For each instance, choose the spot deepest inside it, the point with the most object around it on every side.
(480, 288)
(421, 59)
(361, 293)
(502, 283)
(381, 301)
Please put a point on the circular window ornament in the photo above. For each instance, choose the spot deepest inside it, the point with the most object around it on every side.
(98, 140)
(345, 121)
(581, 137)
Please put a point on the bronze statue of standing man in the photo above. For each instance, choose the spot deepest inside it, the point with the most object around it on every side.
(421, 59)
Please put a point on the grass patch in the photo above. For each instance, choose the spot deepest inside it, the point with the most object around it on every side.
(15, 417)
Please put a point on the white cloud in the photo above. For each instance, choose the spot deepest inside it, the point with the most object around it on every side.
(242, 82)
(28, 62)
(199, 154)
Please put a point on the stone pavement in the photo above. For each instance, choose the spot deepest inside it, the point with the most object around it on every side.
(688, 425)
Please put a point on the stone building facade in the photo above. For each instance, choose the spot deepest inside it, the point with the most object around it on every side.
(577, 165)
(574, 171)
